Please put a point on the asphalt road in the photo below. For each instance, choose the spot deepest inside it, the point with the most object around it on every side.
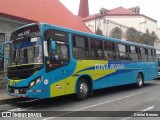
(106, 104)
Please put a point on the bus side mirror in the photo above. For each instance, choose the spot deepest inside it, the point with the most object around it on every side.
(53, 45)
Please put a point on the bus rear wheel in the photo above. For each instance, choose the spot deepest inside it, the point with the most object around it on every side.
(140, 81)
(82, 89)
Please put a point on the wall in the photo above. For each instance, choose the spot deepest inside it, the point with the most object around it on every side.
(140, 23)
(7, 26)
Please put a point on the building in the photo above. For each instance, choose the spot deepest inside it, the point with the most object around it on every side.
(123, 23)
(14, 14)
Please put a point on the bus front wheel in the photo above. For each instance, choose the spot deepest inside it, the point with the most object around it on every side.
(82, 89)
(140, 80)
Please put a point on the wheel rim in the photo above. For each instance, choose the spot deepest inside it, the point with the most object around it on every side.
(83, 89)
(140, 81)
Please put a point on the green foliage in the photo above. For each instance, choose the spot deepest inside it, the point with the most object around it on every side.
(145, 38)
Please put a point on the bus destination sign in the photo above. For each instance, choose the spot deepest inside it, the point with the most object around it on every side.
(25, 31)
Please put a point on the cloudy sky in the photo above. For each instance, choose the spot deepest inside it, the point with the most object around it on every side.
(150, 8)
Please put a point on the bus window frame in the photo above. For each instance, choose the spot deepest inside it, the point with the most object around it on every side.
(118, 51)
(50, 62)
(85, 47)
(145, 53)
(113, 50)
(102, 49)
(136, 52)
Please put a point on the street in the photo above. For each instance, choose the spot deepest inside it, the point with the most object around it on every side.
(123, 98)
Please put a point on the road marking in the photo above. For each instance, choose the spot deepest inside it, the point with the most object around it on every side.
(20, 109)
(28, 101)
(95, 105)
(144, 110)
(149, 108)
(17, 109)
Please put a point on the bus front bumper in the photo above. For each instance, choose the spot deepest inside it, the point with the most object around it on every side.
(24, 92)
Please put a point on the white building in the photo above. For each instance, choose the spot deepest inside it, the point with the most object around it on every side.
(125, 24)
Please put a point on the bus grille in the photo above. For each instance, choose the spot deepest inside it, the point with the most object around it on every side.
(21, 90)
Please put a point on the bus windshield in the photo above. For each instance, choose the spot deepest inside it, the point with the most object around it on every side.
(26, 51)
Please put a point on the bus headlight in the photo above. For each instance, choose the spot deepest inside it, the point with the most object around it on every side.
(35, 82)
(38, 80)
(32, 84)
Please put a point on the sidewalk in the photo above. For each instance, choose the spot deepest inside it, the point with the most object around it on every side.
(4, 95)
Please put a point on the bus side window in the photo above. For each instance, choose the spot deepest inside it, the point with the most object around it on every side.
(143, 54)
(150, 56)
(122, 51)
(96, 48)
(62, 52)
(133, 53)
(109, 50)
(154, 54)
(80, 47)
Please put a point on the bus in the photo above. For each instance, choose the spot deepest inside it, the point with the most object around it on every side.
(158, 59)
(49, 61)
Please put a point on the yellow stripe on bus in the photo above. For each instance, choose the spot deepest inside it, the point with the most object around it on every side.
(67, 85)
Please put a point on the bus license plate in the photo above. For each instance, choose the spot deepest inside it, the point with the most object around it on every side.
(16, 91)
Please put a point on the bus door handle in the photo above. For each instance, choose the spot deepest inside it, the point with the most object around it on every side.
(63, 72)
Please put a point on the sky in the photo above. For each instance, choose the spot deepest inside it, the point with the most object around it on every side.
(150, 8)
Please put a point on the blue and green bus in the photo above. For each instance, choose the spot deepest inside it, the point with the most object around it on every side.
(48, 61)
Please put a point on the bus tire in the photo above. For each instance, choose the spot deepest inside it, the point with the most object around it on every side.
(82, 89)
(140, 80)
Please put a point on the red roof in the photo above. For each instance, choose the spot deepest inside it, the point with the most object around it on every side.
(49, 11)
(91, 17)
(120, 10)
(115, 11)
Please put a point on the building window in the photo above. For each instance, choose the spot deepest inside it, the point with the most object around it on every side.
(116, 33)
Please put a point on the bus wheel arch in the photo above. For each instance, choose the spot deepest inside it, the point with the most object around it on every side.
(84, 83)
(140, 80)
